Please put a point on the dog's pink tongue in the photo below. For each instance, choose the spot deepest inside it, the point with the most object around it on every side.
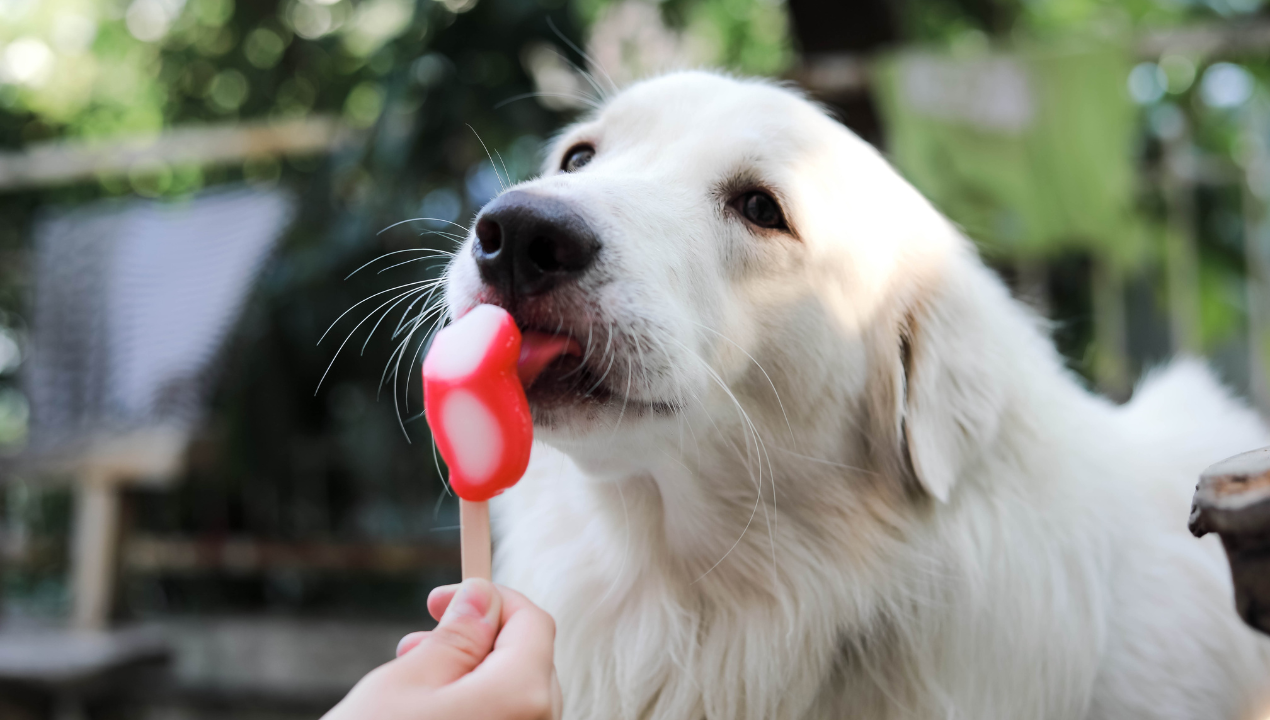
(538, 350)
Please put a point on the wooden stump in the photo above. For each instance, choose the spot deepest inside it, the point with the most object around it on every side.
(1233, 500)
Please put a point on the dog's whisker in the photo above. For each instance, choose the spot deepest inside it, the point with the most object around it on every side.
(350, 336)
(626, 396)
(573, 46)
(753, 429)
(822, 461)
(413, 324)
(436, 253)
(395, 366)
(607, 343)
(691, 395)
(771, 384)
(458, 237)
(771, 473)
(683, 387)
(506, 174)
(586, 352)
(403, 322)
(421, 349)
(368, 299)
(686, 421)
(502, 186)
(464, 228)
(760, 453)
(570, 96)
(757, 498)
(386, 313)
(427, 306)
(395, 376)
(436, 460)
(394, 361)
(395, 358)
(599, 91)
(413, 260)
(641, 364)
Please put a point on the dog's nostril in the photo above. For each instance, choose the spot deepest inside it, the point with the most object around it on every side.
(542, 253)
(489, 236)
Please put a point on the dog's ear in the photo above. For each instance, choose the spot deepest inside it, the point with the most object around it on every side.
(938, 399)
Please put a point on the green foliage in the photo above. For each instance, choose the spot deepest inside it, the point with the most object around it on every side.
(751, 36)
(952, 21)
(747, 36)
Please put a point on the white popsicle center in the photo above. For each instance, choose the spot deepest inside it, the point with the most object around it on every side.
(475, 438)
(464, 344)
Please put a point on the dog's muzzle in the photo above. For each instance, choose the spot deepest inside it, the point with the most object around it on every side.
(528, 244)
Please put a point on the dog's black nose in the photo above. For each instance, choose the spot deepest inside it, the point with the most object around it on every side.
(527, 244)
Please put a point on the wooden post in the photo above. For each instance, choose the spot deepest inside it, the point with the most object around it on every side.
(96, 533)
(152, 456)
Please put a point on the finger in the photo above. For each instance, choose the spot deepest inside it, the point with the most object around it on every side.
(513, 602)
(410, 642)
(557, 696)
(517, 679)
(525, 642)
(461, 640)
(439, 599)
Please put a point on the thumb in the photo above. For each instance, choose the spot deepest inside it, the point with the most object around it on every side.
(462, 639)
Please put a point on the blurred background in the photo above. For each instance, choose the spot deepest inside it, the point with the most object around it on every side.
(211, 506)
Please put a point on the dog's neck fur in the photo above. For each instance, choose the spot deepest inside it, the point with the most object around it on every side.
(732, 578)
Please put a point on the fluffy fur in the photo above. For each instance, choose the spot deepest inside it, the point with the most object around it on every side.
(841, 472)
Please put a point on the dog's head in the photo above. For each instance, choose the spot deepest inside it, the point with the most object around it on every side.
(705, 244)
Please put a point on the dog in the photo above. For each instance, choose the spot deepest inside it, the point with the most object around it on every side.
(801, 455)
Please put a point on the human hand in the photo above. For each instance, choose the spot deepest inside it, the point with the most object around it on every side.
(490, 657)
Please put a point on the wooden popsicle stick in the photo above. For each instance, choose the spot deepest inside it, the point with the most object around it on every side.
(474, 540)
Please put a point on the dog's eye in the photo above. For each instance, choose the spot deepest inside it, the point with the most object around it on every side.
(761, 209)
(577, 157)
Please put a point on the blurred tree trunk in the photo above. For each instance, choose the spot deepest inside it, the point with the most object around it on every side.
(1257, 250)
(1181, 258)
(1111, 354)
(1032, 285)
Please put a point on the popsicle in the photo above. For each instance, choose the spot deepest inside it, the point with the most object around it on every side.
(474, 380)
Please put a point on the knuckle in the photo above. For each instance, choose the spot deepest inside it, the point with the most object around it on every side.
(548, 622)
(372, 681)
(535, 701)
(463, 639)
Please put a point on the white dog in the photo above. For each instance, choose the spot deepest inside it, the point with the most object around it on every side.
(802, 456)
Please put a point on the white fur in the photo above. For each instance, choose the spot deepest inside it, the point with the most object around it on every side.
(880, 494)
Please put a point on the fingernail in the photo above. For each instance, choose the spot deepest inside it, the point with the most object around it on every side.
(472, 600)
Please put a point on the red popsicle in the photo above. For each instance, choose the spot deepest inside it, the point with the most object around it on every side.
(475, 403)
